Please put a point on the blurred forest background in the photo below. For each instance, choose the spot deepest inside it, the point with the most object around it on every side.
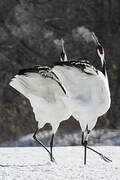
(30, 31)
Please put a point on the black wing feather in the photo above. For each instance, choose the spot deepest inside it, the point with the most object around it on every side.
(81, 65)
(35, 69)
(44, 71)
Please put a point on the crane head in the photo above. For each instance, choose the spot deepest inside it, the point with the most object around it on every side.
(100, 49)
(63, 56)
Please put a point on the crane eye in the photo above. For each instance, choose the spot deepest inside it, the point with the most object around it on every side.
(100, 48)
(62, 56)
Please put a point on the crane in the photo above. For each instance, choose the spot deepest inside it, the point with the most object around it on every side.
(47, 97)
(88, 91)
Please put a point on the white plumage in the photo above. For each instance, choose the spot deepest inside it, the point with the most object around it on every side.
(89, 95)
(46, 98)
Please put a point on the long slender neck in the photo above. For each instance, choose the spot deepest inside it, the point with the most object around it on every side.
(104, 71)
(104, 68)
(107, 88)
(103, 63)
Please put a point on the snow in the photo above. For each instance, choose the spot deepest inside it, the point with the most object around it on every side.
(32, 163)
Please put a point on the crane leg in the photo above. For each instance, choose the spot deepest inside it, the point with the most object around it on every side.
(34, 136)
(85, 135)
(84, 143)
(51, 147)
(85, 151)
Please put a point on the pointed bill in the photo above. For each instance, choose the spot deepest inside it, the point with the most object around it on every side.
(95, 38)
(62, 42)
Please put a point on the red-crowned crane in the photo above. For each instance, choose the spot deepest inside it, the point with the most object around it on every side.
(46, 94)
(88, 91)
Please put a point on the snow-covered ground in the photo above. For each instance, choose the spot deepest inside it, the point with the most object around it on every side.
(32, 163)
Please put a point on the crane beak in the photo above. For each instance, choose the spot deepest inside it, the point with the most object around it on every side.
(95, 39)
(62, 43)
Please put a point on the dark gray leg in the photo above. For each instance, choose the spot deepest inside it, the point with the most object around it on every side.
(51, 147)
(84, 143)
(85, 151)
(34, 136)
